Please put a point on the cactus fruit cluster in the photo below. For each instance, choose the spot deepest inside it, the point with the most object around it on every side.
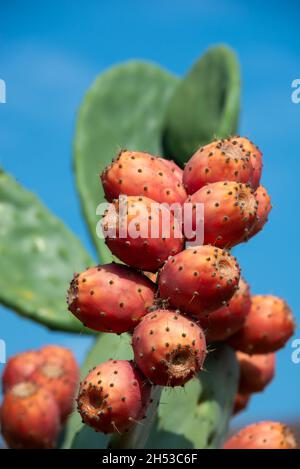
(167, 281)
(187, 295)
(39, 393)
(173, 296)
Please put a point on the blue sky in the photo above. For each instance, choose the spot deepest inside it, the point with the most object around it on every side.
(51, 51)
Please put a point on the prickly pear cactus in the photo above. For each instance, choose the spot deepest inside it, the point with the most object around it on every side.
(135, 105)
(38, 256)
(205, 104)
(124, 108)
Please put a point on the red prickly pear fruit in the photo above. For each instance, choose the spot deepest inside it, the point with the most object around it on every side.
(110, 298)
(176, 170)
(240, 402)
(229, 212)
(226, 321)
(221, 160)
(263, 435)
(199, 280)
(151, 233)
(268, 326)
(264, 207)
(60, 355)
(20, 367)
(168, 347)
(255, 155)
(256, 371)
(60, 375)
(29, 417)
(113, 397)
(136, 173)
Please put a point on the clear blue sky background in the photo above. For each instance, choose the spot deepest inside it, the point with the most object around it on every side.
(51, 51)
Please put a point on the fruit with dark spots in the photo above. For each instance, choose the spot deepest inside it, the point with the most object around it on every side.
(168, 347)
(176, 170)
(264, 207)
(229, 212)
(136, 173)
(199, 280)
(110, 297)
(226, 321)
(256, 371)
(268, 326)
(256, 160)
(141, 232)
(221, 160)
(263, 435)
(113, 397)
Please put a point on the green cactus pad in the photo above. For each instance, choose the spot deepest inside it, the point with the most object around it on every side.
(39, 256)
(205, 105)
(124, 108)
(197, 415)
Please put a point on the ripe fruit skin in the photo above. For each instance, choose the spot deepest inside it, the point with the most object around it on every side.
(110, 298)
(226, 321)
(176, 170)
(137, 173)
(20, 367)
(267, 328)
(113, 396)
(264, 207)
(29, 417)
(59, 374)
(263, 435)
(229, 212)
(256, 160)
(199, 280)
(168, 347)
(256, 371)
(240, 402)
(145, 252)
(220, 160)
